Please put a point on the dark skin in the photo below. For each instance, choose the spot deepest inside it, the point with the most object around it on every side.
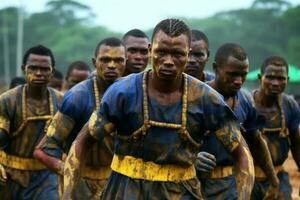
(75, 77)
(38, 72)
(137, 54)
(169, 57)
(109, 64)
(229, 78)
(272, 84)
(198, 58)
(56, 84)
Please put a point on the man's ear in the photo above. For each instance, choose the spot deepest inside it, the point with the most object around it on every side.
(259, 78)
(215, 67)
(23, 68)
(149, 53)
(190, 51)
(94, 61)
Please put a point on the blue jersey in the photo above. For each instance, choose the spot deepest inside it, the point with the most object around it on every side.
(123, 109)
(25, 125)
(122, 105)
(208, 76)
(246, 114)
(76, 108)
(276, 130)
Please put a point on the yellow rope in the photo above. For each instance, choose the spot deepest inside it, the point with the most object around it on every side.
(283, 131)
(97, 95)
(26, 119)
(183, 133)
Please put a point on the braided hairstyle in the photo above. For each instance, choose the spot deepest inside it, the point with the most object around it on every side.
(173, 28)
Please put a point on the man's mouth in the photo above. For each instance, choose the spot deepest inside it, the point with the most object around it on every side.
(110, 74)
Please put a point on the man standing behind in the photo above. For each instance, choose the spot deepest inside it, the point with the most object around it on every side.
(77, 71)
(160, 118)
(136, 44)
(56, 81)
(216, 173)
(75, 110)
(281, 128)
(25, 113)
(198, 57)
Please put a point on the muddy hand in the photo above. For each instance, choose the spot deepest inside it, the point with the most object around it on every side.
(206, 162)
(3, 176)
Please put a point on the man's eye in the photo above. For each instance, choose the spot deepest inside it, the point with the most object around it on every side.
(119, 60)
(198, 54)
(105, 60)
(144, 52)
(161, 53)
(178, 54)
(132, 50)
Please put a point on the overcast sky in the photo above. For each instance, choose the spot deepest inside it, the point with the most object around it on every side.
(122, 15)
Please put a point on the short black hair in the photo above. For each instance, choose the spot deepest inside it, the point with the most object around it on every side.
(276, 61)
(16, 81)
(135, 33)
(173, 28)
(229, 49)
(199, 35)
(39, 50)
(57, 74)
(111, 41)
(79, 65)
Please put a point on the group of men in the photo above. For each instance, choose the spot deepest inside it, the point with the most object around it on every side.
(130, 133)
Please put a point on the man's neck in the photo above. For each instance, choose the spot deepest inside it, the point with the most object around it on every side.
(37, 93)
(266, 100)
(164, 92)
(201, 76)
(102, 84)
(165, 86)
(216, 86)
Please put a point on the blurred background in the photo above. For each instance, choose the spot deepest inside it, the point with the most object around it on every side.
(73, 28)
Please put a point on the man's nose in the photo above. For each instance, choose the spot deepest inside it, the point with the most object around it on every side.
(112, 64)
(169, 61)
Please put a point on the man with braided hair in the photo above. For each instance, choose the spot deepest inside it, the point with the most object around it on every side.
(25, 112)
(76, 108)
(160, 117)
(215, 172)
(281, 127)
(198, 57)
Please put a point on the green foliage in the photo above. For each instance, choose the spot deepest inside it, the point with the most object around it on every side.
(268, 27)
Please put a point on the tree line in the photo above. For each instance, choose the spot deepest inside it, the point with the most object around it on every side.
(266, 28)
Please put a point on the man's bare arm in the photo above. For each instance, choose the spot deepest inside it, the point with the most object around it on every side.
(3, 143)
(75, 157)
(60, 127)
(243, 170)
(231, 137)
(262, 157)
(52, 163)
(295, 145)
